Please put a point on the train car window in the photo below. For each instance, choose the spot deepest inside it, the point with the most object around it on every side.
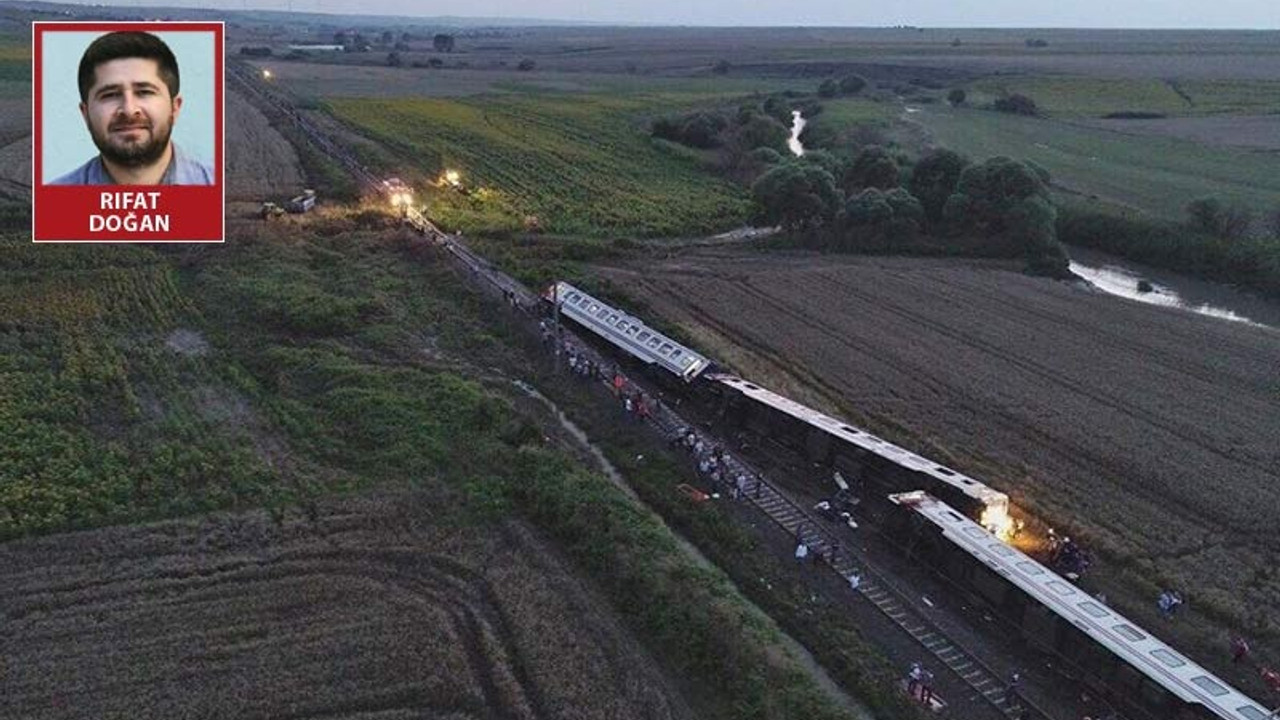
(1061, 588)
(666, 348)
(955, 517)
(604, 312)
(1094, 609)
(644, 336)
(945, 471)
(573, 297)
(1030, 568)
(594, 307)
(1129, 633)
(654, 342)
(613, 318)
(623, 326)
(1251, 713)
(1168, 658)
(1209, 685)
(849, 430)
(974, 532)
(1003, 550)
(966, 481)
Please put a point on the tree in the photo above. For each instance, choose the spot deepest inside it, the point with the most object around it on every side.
(443, 42)
(852, 84)
(872, 167)
(721, 67)
(761, 131)
(766, 156)
(829, 88)
(1211, 216)
(827, 161)
(387, 37)
(525, 65)
(435, 62)
(934, 179)
(796, 195)
(778, 108)
(956, 97)
(1016, 104)
(394, 59)
(1005, 198)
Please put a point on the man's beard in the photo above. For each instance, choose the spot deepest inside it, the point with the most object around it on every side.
(137, 154)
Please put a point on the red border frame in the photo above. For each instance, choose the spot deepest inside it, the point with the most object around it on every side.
(186, 195)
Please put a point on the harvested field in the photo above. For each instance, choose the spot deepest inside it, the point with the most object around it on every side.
(261, 163)
(358, 609)
(1150, 432)
(15, 169)
(15, 118)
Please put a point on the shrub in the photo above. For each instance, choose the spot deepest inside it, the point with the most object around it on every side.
(956, 97)
(852, 84)
(1016, 104)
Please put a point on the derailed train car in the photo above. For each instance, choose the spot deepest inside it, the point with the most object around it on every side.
(877, 464)
(627, 332)
(1111, 654)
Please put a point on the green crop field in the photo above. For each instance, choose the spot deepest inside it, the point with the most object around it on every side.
(1068, 96)
(579, 163)
(1153, 174)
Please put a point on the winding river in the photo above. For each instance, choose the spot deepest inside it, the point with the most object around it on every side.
(797, 125)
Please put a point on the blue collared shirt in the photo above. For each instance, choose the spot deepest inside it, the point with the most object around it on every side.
(182, 170)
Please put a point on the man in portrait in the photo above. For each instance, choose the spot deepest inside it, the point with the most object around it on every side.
(130, 100)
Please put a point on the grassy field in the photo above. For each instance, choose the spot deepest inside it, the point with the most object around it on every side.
(1152, 174)
(581, 164)
(1081, 96)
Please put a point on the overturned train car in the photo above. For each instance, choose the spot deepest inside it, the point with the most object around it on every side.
(1111, 654)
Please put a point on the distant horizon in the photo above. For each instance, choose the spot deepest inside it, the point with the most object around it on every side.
(1226, 15)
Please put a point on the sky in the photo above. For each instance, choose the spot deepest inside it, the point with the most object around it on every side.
(1249, 14)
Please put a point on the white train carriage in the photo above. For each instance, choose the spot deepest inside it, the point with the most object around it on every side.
(1117, 655)
(990, 506)
(628, 332)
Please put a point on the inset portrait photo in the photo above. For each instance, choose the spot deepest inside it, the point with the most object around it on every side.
(128, 132)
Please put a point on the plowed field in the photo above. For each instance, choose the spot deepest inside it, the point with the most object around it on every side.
(1152, 432)
(352, 611)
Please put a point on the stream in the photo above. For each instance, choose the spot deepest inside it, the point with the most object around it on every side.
(1120, 277)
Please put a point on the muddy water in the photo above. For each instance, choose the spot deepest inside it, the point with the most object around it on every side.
(805, 658)
(1169, 289)
(797, 125)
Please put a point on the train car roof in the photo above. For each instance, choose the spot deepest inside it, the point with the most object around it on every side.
(629, 333)
(1137, 647)
(864, 440)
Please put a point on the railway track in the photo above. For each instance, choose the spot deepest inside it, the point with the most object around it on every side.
(765, 496)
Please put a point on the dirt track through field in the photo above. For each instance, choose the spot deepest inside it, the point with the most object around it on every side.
(359, 612)
(1151, 431)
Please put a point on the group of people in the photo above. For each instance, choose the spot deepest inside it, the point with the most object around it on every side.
(1168, 603)
(1067, 557)
(920, 683)
(713, 466)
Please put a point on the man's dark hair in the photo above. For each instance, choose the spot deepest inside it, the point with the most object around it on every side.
(130, 44)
